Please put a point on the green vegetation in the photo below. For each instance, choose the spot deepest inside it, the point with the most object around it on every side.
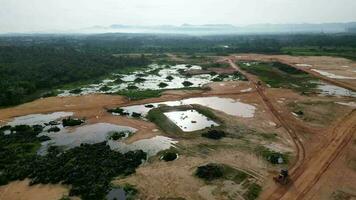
(214, 134)
(240, 176)
(140, 94)
(169, 77)
(139, 80)
(53, 129)
(119, 135)
(187, 83)
(76, 91)
(130, 191)
(157, 116)
(209, 172)
(136, 115)
(169, 155)
(215, 65)
(71, 122)
(253, 191)
(162, 85)
(271, 156)
(345, 52)
(132, 87)
(89, 169)
(280, 75)
(27, 72)
(105, 88)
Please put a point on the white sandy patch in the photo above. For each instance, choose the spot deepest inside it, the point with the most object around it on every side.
(331, 75)
(246, 90)
(304, 65)
(351, 104)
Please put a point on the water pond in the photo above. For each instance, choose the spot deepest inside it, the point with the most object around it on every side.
(190, 120)
(226, 105)
(172, 77)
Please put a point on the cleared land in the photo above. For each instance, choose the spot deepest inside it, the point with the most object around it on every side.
(318, 141)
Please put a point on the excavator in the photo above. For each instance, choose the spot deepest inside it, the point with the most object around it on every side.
(282, 178)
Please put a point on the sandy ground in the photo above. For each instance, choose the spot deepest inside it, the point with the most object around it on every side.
(322, 149)
(333, 65)
(19, 190)
(174, 179)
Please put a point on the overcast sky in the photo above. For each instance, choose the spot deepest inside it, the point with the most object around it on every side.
(52, 15)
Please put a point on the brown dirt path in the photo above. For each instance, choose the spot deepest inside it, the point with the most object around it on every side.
(306, 173)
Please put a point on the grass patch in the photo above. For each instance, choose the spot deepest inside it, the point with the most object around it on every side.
(345, 52)
(271, 156)
(279, 75)
(209, 172)
(72, 122)
(214, 134)
(253, 192)
(157, 116)
(140, 94)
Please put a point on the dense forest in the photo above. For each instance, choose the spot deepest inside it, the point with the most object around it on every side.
(88, 168)
(28, 71)
(31, 65)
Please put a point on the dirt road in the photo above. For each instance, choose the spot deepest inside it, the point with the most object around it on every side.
(300, 151)
(306, 173)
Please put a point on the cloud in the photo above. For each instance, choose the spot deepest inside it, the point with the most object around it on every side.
(47, 15)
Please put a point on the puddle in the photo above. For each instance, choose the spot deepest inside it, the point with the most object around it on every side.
(246, 90)
(190, 120)
(304, 65)
(333, 90)
(39, 119)
(149, 80)
(226, 105)
(330, 75)
(351, 104)
(116, 194)
(151, 146)
(89, 134)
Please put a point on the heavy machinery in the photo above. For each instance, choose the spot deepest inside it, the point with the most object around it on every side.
(282, 178)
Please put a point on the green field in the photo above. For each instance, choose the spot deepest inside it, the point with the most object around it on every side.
(279, 75)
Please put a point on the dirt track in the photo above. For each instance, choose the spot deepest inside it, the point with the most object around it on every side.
(306, 173)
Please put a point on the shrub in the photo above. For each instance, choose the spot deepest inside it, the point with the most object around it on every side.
(119, 80)
(136, 115)
(169, 77)
(253, 191)
(72, 122)
(105, 88)
(169, 156)
(209, 172)
(132, 87)
(53, 129)
(271, 156)
(162, 85)
(119, 135)
(140, 94)
(76, 91)
(187, 83)
(139, 80)
(214, 134)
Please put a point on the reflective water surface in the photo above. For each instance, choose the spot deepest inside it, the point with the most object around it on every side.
(190, 120)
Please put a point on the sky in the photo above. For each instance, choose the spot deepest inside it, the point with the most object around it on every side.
(66, 15)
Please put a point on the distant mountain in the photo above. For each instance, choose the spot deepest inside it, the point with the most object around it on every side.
(228, 28)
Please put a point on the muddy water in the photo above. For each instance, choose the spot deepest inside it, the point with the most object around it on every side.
(151, 146)
(190, 120)
(116, 194)
(226, 105)
(333, 90)
(151, 80)
(39, 119)
(88, 134)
